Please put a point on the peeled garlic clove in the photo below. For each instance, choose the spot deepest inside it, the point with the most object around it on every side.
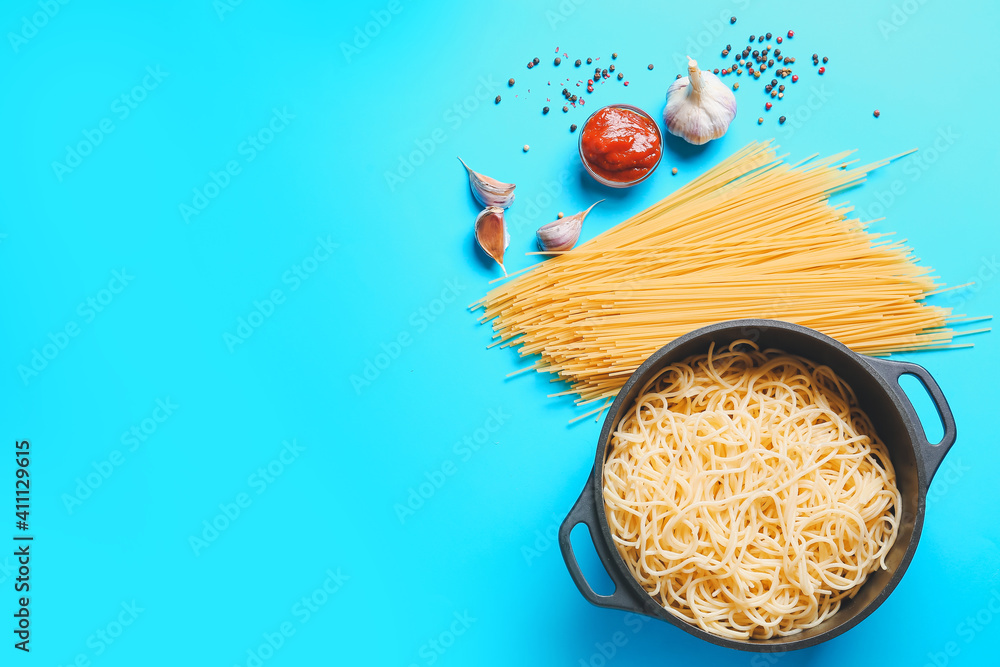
(489, 191)
(562, 234)
(491, 233)
(699, 106)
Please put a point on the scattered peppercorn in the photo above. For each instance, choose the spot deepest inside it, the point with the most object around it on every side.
(536, 61)
(781, 88)
(650, 66)
(822, 70)
(560, 215)
(774, 93)
(752, 37)
(732, 20)
(620, 76)
(574, 98)
(578, 62)
(781, 96)
(736, 86)
(545, 110)
(526, 147)
(767, 36)
(877, 113)
(714, 71)
(825, 60)
(590, 88)
(674, 171)
(510, 82)
(611, 69)
(557, 61)
(729, 47)
(791, 33)
(626, 83)
(530, 65)
(604, 74)
(774, 82)
(781, 120)
(767, 106)
(497, 100)
(778, 40)
(767, 88)
(614, 56)
(565, 109)
(777, 53)
(770, 63)
(724, 53)
(761, 38)
(760, 121)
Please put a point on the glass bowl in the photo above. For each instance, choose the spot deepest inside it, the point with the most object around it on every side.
(596, 176)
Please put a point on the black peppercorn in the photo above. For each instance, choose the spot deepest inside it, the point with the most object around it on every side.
(545, 109)
(614, 56)
(572, 128)
(510, 82)
(536, 61)
(611, 69)
(781, 120)
(557, 61)
(781, 88)
(565, 109)
(578, 62)
(825, 60)
(590, 61)
(620, 76)
(768, 36)
(497, 100)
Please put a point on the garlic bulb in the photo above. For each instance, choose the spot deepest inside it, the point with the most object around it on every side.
(563, 233)
(699, 106)
(492, 234)
(489, 191)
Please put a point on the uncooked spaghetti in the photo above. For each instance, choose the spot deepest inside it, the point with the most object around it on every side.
(748, 493)
(752, 237)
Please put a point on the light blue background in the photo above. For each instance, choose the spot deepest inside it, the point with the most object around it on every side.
(928, 66)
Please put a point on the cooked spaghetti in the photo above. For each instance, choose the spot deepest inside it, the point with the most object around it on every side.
(752, 237)
(748, 493)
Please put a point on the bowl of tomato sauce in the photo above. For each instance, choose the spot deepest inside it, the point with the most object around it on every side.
(620, 145)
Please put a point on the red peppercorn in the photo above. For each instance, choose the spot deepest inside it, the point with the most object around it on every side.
(779, 39)
(791, 33)
(768, 106)
(822, 70)
(795, 77)
(626, 83)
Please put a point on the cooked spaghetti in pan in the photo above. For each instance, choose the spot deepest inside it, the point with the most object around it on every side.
(748, 493)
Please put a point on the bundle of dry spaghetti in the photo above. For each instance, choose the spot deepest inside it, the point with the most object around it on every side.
(748, 493)
(752, 237)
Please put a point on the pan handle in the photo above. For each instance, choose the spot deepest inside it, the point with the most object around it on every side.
(932, 454)
(585, 511)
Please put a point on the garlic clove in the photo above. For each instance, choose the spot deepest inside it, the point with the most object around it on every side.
(699, 106)
(562, 234)
(491, 233)
(489, 191)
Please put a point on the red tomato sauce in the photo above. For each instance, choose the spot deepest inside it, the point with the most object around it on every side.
(620, 145)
